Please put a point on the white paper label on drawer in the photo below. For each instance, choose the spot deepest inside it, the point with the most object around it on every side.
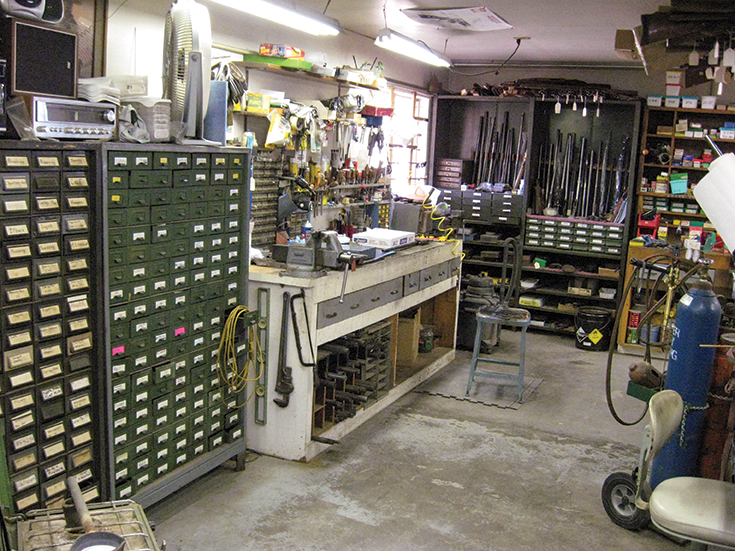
(137, 236)
(21, 251)
(51, 392)
(162, 353)
(140, 309)
(77, 224)
(198, 325)
(78, 264)
(50, 311)
(23, 420)
(78, 345)
(51, 330)
(79, 244)
(233, 224)
(179, 264)
(47, 204)
(143, 326)
(56, 488)
(16, 183)
(77, 202)
(198, 260)
(78, 284)
(49, 268)
(120, 315)
(17, 339)
(198, 245)
(121, 439)
(51, 371)
(139, 290)
(216, 226)
(118, 368)
(141, 161)
(142, 447)
(199, 341)
(181, 299)
(20, 359)
(77, 181)
(26, 482)
(232, 286)
(141, 360)
(198, 228)
(199, 276)
(18, 273)
(16, 230)
(122, 473)
(49, 289)
(21, 401)
(16, 206)
(19, 317)
(215, 273)
(120, 405)
(159, 285)
(121, 422)
(83, 438)
(179, 281)
(21, 379)
(80, 402)
(50, 351)
(24, 441)
(141, 429)
(18, 294)
(79, 384)
(234, 207)
(54, 430)
(48, 248)
(81, 420)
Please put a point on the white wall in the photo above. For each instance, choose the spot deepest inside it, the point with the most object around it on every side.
(135, 42)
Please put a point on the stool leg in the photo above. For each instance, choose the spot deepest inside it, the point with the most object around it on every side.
(475, 356)
(522, 364)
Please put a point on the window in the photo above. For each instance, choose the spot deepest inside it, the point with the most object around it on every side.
(408, 138)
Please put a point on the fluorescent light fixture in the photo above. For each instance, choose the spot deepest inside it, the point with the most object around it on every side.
(299, 19)
(396, 42)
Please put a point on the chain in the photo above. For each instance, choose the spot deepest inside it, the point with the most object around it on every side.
(687, 409)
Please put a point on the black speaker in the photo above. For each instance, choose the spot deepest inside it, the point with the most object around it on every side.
(42, 61)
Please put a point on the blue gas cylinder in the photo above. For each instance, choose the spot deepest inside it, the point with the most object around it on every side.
(697, 322)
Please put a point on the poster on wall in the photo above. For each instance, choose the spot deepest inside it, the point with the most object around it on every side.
(74, 16)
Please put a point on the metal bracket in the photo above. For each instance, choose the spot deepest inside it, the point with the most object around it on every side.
(261, 356)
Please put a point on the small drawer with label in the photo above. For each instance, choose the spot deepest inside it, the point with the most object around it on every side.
(79, 438)
(140, 289)
(15, 181)
(16, 228)
(120, 367)
(49, 330)
(44, 289)
(15, 204)
(21, 421)
(48, 247)
(75, 264)
(78, 401)
(160, 234)
(17, 251)
(46, 204)
(16, 317)
(53, 489)
(72, 202)
(52, 469)
(139, 235)
(23, 459)
(51, 391)
(47, 267)
(16, 272)
(142, 446)
(18, 358)
(50, 370)
(80, 457)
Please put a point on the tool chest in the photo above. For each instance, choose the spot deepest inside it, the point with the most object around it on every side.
(120, 266)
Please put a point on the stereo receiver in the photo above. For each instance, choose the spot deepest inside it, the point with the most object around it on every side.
(62, 118)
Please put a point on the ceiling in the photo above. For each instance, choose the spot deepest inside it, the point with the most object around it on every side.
(579, 32)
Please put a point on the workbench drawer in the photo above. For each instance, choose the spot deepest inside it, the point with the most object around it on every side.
(411, 283)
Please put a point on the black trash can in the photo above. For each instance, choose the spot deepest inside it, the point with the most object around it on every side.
(593, 328)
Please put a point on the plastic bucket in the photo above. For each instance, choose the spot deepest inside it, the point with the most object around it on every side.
(426, 338)
(593, 328)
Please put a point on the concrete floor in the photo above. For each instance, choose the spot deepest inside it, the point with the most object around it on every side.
(432, 473)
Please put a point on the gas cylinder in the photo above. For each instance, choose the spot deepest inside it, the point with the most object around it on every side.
(697, 322)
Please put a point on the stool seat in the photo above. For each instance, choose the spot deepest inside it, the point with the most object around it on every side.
(500, 315)
(698, 509)
(517, 317)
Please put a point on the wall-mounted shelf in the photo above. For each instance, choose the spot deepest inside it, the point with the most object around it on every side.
(300, 73)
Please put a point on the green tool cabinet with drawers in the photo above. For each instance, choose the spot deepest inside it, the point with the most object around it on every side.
(120, 264)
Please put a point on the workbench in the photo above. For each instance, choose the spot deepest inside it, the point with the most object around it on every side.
(425, 275)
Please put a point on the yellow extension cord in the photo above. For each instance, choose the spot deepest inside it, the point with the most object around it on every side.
(447, 231)
(233, 376)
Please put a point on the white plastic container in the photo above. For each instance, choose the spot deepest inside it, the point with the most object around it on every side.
(156, 113)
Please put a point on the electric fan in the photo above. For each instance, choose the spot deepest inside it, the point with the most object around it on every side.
(186, 68)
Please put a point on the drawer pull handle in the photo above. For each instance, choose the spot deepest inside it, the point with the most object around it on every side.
(355, 306)
(376, 299)
(330, 316)
(394, 292)
(412, 285)
(427, 278)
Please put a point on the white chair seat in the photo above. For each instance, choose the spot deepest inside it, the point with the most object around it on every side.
(695, 508)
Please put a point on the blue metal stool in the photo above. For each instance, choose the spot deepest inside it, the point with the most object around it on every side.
(500, 315)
